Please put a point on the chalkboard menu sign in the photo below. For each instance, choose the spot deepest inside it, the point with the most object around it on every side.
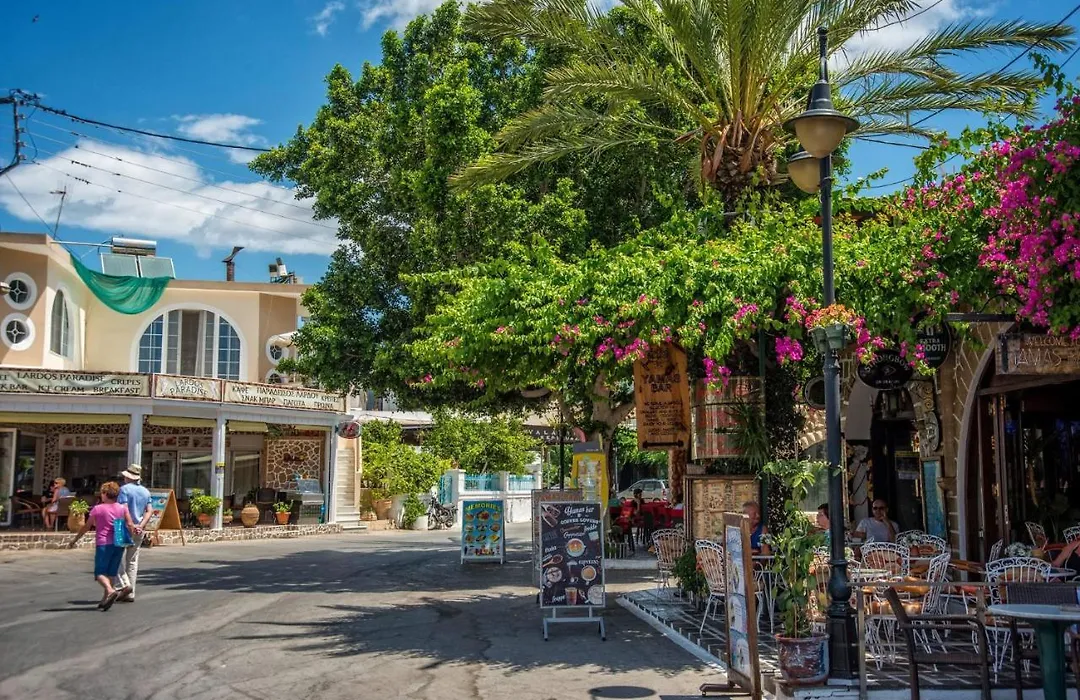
(571, 555)
(483, 530)
(545, 496)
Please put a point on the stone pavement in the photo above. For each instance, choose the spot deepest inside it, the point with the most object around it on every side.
(387, 615)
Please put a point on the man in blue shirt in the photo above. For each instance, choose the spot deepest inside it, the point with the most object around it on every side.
(137, 499)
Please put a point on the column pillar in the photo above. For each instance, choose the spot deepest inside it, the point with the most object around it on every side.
(217, 484)
(330, 447)
(134, 451)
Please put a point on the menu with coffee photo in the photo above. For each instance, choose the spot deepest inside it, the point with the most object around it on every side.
(482, 530)
(571, 555)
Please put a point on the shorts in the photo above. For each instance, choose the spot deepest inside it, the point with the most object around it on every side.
(107, 559)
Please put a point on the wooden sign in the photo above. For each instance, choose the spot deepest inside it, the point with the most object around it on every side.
(709, 497)
(662, 398)
(164, 515)
(741, 613)
(713, 417)
(1030, 353)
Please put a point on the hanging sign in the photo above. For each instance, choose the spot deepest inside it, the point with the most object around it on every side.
(936, 342)
(1030, 353)
(572, 555)
(483, 530)
(662, 398)
(348, 430)
(886, 371)
(741, 613)
(38, 381)
(589, 472)
(192, 388)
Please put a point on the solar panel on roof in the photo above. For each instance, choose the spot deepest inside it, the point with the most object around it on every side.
(151, 266)
(119, 265)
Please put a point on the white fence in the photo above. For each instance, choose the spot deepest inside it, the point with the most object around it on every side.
(514, 491)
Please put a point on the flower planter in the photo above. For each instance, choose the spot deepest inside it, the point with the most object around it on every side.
(837, 336)
(204, 519)
(804, 660)
(75, 522)
(821, 341)
(421, 523)
(282, 518)
(249, 516)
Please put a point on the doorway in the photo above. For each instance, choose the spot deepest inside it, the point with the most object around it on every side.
(897, 469)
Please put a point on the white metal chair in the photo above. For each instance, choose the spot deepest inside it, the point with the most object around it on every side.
(1071, 533)
(995, 550)
(669, 545)
(1037, 534)
(999, 574)
(710, 557)
(935, 600)
(819, 597)
(887, 556)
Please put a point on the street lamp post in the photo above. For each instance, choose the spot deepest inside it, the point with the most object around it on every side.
(820, 129)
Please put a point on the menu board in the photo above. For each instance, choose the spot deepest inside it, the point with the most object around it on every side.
(483, 530)
(545, 496)
(741, 611)
(572, 555)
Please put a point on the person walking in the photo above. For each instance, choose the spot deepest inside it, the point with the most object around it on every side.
(106, 516)
(136, 498)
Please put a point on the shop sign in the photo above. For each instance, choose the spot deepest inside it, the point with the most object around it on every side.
(348, 430)
(92, 442)
(482, 530)
(43, 381)
(167, 386)
(571, 555)
(1030, 353)
(936, 342)
(276, 396)
(662, 398)
(886, 371)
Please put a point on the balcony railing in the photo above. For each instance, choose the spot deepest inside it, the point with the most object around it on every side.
(481, 482)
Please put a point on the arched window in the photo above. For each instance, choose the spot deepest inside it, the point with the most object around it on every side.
(60, 332)
(191, 342)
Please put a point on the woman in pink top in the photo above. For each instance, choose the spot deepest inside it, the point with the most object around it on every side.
(107, 555)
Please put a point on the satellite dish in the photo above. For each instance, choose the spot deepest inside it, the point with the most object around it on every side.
(813, 392)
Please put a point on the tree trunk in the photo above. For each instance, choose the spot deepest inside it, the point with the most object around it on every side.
(677, 459)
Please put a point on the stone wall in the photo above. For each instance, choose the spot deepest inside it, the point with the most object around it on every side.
(291, 455)
(18, 541)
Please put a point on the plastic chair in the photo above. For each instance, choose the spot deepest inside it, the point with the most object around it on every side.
(710, 557)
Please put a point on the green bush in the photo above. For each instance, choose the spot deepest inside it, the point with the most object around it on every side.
(413, 508)
(686, 573)
(78, 507)
(480, 446)
(201, 503)
(398, 469)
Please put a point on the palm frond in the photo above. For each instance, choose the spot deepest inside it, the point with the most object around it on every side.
(1008, 88)
(876, 125)
(556, 22)
(552, 120)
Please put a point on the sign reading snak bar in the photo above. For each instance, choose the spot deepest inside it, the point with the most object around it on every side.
(278, 396)
(571, 555)
(43, 381)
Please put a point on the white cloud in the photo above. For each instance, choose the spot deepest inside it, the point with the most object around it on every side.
(322, 21)
(929, 17)
(223, 128)
(394, 12)
(180, 214)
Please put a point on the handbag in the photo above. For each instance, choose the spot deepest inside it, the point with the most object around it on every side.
(121, 536)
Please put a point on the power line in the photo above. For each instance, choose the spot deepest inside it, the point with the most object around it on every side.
(191, 193)
(1023, 53)
(890, 143)
(27, 201)
(192, 179)
(177, 206)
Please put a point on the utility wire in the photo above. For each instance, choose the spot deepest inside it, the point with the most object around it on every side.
(27, 201)
(189, 179)
(1023, 53)
(190, 193)
(887, 143)
(179, 206)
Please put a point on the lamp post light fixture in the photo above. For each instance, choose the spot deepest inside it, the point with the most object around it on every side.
(820, 129)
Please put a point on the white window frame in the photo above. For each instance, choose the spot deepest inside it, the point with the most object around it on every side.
(165, 345)
(60, 295)
(22, 345)
(31, 286)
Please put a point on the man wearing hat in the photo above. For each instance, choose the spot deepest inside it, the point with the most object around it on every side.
(137, 499)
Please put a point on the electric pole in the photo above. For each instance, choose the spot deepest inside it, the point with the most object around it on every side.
(63, 195)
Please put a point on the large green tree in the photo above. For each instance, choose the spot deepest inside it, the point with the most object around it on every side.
(721, 76)
(377, 157)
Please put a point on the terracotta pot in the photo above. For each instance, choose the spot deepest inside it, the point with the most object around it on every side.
(75, 522)
(282, 518)
(804, 661)
(204, 519)
(382, 508)
(249, 516)
(226, 517)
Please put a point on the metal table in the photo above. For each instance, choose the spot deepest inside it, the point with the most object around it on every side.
(1050, 622)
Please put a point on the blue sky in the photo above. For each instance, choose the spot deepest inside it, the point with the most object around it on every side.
(245, 71)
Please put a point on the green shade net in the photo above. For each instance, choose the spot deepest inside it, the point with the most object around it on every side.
(126, 294)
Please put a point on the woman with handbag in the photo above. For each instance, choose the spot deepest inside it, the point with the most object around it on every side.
(112, 532)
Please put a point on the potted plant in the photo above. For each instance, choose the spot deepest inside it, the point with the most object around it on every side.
(804, 656)
(203, 506)
(77, 511)
(414, 515)
(282, 511)
(250, 514)
(830, 327)
(689, 577)
(226, 516)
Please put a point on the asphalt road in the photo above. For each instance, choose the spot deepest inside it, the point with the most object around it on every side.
(383, 615)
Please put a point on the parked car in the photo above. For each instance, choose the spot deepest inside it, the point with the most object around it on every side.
(650, 489)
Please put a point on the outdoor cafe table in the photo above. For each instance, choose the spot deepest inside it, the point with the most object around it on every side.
(1050, 622)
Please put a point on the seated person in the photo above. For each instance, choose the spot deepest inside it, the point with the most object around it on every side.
(757, 528)
(49, 512)
(878, 528)
(823, 523)
(639, 499)
(1068, 558)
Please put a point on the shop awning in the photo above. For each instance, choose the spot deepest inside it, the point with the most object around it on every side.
(180, 422)
(80, 418)
(247, 426)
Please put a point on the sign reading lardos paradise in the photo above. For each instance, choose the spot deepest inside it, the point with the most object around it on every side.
(283, 397)
(38, 381)
(483, 530)
(571, 555)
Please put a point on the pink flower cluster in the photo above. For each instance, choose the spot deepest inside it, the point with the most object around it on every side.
(788, 350)
(636, 349)
(715, 372)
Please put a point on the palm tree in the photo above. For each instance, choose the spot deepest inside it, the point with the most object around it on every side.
(721, 76)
